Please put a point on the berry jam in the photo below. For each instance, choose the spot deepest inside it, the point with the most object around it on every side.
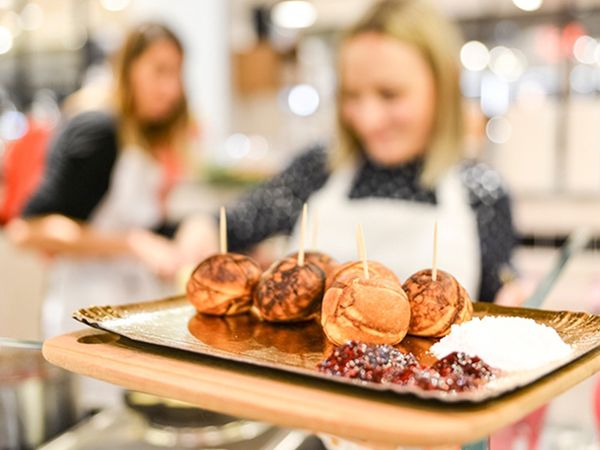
(366, 362)
(462, 364)
(456, 372)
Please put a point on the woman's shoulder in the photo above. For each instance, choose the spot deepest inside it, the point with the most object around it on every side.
(89, 131)
(483, 182)
(311, 163)
(93, 120)
(313, 157)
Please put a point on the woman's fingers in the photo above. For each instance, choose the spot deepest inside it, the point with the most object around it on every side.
(158, 253)
(197, 238)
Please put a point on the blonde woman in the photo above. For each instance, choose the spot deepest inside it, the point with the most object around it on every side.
(396, 166)
(100, 209)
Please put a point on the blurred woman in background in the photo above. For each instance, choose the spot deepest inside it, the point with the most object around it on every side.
(396, 166)
(100, 210)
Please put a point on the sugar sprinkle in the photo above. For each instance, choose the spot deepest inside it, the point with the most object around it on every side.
(506, 343)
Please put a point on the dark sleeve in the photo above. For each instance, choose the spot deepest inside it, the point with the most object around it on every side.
(492, 205)
(273, 207)
(78, 168)
(167, 229)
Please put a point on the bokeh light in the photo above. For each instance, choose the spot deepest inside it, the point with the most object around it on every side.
(584, 49)
(6, 40)
(495, 95)
(498, 130)
(12, 21)
(507, 63)
(583, 79)
(474, 56)
(13, 125)
(294, 14)
(114, 5)
(303, 100)
(237, 145)
(32, 16)
(528, 5)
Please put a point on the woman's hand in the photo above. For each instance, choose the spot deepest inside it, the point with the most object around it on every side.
(159, 254)
(55, 234)
(59, 235)
(197, 238)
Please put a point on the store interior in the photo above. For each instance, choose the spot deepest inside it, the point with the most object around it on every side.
(261, 82)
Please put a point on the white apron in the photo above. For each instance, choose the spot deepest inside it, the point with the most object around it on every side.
(399, 233)
(132, 200)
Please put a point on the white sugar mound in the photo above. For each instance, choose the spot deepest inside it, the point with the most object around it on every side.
(506, 343)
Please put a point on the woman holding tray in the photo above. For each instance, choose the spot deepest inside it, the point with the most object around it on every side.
(395, 166)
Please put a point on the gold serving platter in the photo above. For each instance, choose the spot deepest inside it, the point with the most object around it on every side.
(298, 348)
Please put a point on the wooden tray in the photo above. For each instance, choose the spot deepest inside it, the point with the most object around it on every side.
(296, 401)
(289, 398)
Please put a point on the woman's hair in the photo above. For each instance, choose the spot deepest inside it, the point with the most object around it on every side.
(172, 130)
(417, 23)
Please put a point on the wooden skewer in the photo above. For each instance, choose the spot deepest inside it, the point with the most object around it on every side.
(223, 230)
(315, 230)
(302, 235)
(434, 263)
(362, 251)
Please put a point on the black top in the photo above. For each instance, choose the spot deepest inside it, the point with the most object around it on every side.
(274, 207)
(79, 168)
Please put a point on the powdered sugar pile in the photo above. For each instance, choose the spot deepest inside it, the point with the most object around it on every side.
(506, 343)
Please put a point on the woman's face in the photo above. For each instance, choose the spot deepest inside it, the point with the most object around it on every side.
(155, 79)
(387, 97)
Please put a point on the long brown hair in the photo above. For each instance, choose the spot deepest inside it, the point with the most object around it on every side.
(417, 23)
(171, 131)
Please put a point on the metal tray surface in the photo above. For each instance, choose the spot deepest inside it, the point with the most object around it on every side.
(299, 347)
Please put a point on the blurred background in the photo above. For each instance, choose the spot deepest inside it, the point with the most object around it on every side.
(261, 82)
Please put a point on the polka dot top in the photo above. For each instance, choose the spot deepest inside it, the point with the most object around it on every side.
(273, 207)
